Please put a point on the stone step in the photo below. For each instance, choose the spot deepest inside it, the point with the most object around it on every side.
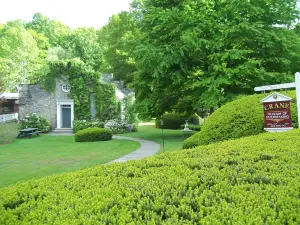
(62, 130)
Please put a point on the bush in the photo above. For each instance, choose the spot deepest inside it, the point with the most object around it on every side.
(253, 180)
(35, 121)
(8, 132)
(93, 134)
(171, 121)
(119, 127)
(83, 124)
(239, 118)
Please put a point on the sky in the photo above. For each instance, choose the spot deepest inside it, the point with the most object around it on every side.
(74, 13)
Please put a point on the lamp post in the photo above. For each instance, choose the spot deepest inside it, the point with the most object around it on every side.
(162, 133)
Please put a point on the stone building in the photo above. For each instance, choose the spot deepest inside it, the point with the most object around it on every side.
(58, 107)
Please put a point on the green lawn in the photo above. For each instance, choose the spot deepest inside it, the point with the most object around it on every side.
(8, 132)
(36, 157)
(173, 139)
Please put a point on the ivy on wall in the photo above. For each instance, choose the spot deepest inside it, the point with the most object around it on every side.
(84, 82)
(106, 102)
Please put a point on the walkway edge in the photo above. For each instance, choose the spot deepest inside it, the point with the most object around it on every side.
(148, 148)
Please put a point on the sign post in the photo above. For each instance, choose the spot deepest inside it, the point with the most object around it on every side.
(277, 115)
(285, 86)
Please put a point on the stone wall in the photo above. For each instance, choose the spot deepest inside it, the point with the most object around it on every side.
(35, 99)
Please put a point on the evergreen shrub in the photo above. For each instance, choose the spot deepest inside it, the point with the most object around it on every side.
(93, 134)
(239, 118)
(171, 121)
(35, 121)
(252, 180)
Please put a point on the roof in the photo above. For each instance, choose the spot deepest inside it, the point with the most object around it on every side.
(276, 97)
(8, 95)
(121, 91)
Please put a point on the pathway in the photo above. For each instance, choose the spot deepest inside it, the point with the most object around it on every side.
(148, 148)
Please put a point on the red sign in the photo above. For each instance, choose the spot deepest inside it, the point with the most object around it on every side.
(277, 114)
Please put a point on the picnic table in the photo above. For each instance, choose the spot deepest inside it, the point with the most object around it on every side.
(28, 132)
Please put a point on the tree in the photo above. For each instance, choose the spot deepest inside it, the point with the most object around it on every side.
(19, 55)
(205, 53)
(56, 32)
(83, 43)
(118, 37)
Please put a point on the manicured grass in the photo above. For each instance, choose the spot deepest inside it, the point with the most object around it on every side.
(36, 157)
(173, 139)
(8, 132)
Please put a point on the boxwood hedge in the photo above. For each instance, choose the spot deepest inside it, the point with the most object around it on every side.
(93, 134)
(252, 180)
(239, 118)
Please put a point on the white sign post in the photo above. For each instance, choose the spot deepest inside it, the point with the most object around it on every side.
(285, 86)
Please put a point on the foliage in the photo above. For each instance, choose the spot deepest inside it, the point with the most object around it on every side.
(25, 159)
(83, 82)
(205, 53)
(84, 45)
(93, 134)
(119, 126)
(215, 184)
(35, 121)
(55, 31)
(106, 102)
(242, 117)
(19, 55)
(83, 124)
(170, 121)
(130, 111)
(117, 37)
(8, 132)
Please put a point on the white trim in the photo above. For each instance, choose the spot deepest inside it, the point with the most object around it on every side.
(58, 108)
(278, 129)
(297, 80)
(8, 95)
(275, 87)
(280, 98)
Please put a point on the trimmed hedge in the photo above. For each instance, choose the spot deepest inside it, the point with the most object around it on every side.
(93, 134)
(171, 121)
(83, 124)
(253, 180)
(239, 118)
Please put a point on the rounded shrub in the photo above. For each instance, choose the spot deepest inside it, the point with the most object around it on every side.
(171, 121)
(93, 134)
(35, 121)
(239, 118)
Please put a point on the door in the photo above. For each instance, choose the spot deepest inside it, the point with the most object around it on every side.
(66, 116)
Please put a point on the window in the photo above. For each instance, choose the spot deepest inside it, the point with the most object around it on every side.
(66, 88)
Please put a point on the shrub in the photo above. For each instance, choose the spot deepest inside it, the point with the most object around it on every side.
(253, 180)
(239, 118)
(119, 126)
(93, 134)
(8, 132)
(35, 121)
(171, 121)
(83, 124)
